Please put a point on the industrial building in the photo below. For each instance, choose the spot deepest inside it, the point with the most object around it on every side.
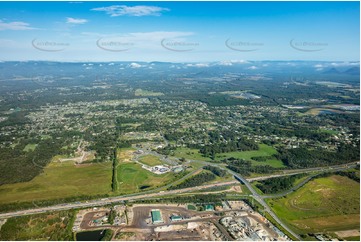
(209, 207)
(175, 218)
(156, 216)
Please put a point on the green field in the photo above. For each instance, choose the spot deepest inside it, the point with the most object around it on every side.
(264, 150)
(190, 154)
(328, 131)
(30, 147)
(227, 177)
(132, 177)
(323, 204)
(353, 238)
(191, 207)
(150, 160)
(48, 226)
(144, 93)
(60, 180)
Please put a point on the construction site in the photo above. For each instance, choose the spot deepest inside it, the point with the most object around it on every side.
(234, 220)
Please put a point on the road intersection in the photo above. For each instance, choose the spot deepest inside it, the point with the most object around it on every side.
(159, 193)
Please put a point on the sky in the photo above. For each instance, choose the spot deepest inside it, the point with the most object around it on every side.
(179, 31)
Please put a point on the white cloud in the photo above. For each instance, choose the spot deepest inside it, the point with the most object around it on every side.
(75, 21)
(135, 65)
(141, 10)
(225, 63)
(15, 26)
(231, 62)
(198, 65)
(240, 61)
(335, 64)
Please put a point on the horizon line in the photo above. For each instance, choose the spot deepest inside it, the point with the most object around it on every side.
(215, 61)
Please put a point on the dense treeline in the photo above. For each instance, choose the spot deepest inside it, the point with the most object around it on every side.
(350, 174)
(196, 180)
(108, 235)
(114, 174)
(216, 170)
(17, 118)
(103, 145)
(244, 167)
(111, 216)
(262, 158)
(173, 136)
(278, 184)
(168, 150)
(305, 158)
(17, 165)
(124, 144)
(222, 100)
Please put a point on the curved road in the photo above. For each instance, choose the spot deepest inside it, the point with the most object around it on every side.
(152, 193)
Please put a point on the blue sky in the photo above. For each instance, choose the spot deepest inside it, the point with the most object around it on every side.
(179, 31)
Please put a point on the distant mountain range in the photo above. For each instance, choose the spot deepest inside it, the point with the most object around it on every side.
(351, 71)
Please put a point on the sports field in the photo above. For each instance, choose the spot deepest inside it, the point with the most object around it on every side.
(324, 204)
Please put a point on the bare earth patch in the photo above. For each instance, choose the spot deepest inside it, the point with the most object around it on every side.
(348, 233)
(125, 155)
(236, 189)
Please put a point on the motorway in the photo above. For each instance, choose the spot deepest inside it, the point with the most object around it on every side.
(307, 170)
(267, 209)
(107, 201)
(260, 198)
(149, 194)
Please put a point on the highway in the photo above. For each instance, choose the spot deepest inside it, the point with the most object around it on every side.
(295, 188)
(149, 194)
(107, 201)
(307, 170)
(260, 199)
